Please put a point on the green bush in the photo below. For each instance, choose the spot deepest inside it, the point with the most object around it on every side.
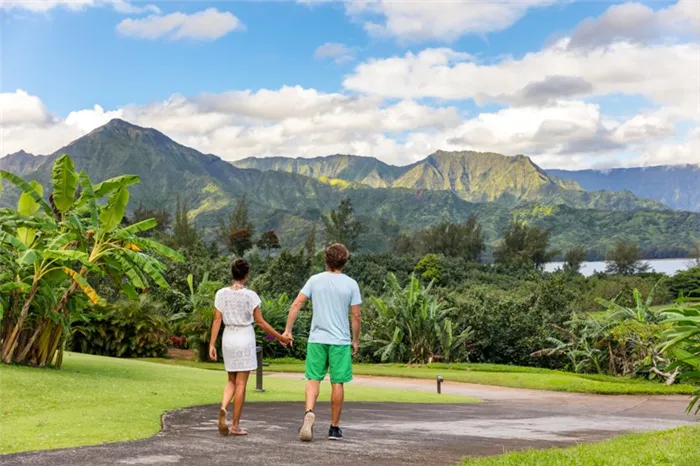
(685, 283)
(128, 329)
(275, 312)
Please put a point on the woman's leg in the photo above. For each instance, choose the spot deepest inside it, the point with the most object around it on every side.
(229, 390)
(238, 400)
(228, 394)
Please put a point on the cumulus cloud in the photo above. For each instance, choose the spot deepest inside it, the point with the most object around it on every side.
(417, 21)
(43, 6)
(294, 121)
(634, 22)
(209, 24)
(666, 74)
(340, 53)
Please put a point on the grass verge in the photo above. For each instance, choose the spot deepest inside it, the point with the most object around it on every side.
(676, 447)
(487, 374)
(96, 399)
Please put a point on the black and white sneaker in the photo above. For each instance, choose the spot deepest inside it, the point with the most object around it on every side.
(306, 433)
(335, 433)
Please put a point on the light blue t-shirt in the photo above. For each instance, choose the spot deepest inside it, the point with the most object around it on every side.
(331, 295)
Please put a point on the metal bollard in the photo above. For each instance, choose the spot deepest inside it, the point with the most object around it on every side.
(259, 371)
(439, 384)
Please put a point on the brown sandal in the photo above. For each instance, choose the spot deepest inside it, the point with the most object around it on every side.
(237, 431)
(223, 425)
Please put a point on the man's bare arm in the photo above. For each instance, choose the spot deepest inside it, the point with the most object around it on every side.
(294, 312)
(356, 324)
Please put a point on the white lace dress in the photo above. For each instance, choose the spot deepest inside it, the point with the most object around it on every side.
(238, 342)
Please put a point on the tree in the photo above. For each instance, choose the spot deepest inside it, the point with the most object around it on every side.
(625, 259)
(310, 242)
(340, 226)
(429, 268)
(465, 240)
(574, 258)
(524, 245)
(239, 241)
(403, 244)
(56, 247)
(237, 233)
(161, 216)
(185, 234)
(269, 240)
(683, 343)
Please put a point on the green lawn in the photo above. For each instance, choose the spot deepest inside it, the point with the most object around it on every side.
(677, 447)
(96, 399)
(488, 374)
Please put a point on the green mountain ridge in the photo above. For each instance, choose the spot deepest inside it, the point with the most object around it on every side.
(291, 203)
(677, 186)
(473, 176)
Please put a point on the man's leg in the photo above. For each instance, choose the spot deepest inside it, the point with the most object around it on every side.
(316, 369)
(340, 362)
(337, 397)
(313, 387)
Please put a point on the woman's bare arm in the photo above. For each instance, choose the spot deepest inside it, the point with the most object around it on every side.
(215, 327)
(267, 328)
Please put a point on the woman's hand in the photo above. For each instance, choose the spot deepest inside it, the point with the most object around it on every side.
(212, 353)
(286, 339)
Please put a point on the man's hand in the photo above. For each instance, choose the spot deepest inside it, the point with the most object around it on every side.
(355, 347)
(212, 353)
(287, 335)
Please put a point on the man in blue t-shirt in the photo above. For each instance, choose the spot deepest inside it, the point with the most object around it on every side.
(332, 295)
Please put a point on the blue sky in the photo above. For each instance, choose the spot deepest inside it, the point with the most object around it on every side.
(561, 81)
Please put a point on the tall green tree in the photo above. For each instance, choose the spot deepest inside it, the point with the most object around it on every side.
(464, 240)
(237, 233)
(185, 235)
(625, 259)
(310, 242)
(524, 245)
(341, 226)
(574, 258)
(269, 240)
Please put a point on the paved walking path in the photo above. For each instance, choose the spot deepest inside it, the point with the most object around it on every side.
(386, 433)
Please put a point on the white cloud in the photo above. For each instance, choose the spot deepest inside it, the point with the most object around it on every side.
(43, 6)
(635, 22)
(209, 24)
(666, 74)
(340, 53)
(428, 20)
(294, 121)
(20, 107)
(671, 153)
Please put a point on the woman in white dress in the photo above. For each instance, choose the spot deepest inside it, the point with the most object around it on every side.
(238, 307)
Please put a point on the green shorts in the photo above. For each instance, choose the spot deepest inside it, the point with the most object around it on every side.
(320, 357)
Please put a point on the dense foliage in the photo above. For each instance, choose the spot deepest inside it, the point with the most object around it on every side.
(51, 249)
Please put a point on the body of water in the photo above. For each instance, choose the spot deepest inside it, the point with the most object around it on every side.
(667, 266)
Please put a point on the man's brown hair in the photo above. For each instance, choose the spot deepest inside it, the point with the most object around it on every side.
(335, 256)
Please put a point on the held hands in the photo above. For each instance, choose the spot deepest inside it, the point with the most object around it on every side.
(212, 353)
(286, 339)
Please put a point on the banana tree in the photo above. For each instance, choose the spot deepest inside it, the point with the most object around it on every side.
(63, 242)
(683, 343)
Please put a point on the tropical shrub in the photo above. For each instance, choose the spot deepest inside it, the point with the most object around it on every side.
(128, 329)
(683, 343)
(50, 249)
(685, 283)
(275, 312)
(412, 325)
(196, 326)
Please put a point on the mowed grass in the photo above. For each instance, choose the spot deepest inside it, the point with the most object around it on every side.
(488, 374)
(96, 399)
(677, 447)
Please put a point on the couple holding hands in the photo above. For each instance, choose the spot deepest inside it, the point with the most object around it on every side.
(333, 296)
